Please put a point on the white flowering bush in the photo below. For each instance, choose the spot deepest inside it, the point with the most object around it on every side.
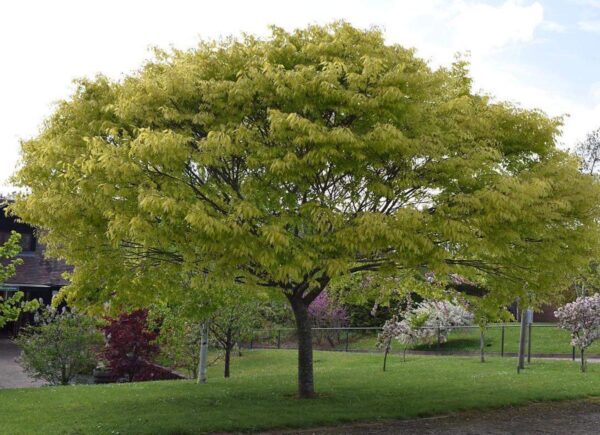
(433, 320)
(582, 319)
(429, 322)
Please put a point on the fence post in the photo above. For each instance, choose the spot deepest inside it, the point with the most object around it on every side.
(529, 344)
(279, 339)
(347, 338)
(522, 341)
(502, 343)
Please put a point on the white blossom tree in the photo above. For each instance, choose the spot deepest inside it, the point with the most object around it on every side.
(430, 322)
(582, 319)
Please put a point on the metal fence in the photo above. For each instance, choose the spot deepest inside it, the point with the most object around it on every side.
(543, 340)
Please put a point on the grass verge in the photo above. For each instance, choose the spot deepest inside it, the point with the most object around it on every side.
(261, 395)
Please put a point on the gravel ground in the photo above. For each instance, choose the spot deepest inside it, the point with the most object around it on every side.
(11, 374)
(574, 418)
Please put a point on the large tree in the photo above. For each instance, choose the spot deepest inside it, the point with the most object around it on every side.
(287, 162)
(588, 151)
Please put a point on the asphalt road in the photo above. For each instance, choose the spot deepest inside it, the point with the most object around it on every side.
(11, 373)
(573, 418)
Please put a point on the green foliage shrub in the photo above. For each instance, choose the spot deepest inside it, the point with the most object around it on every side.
(60, 346)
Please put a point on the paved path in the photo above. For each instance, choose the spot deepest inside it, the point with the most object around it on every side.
(11, 374)
(574, 418)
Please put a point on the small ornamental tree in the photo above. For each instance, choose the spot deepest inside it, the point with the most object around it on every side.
(395, 328)
(228, 316)
(130, 345)
(483, 313)
(179, 342)
(287, 162)
(231, 324)
(430, 322)
(324, 312)
(60, 346)
(582, 319)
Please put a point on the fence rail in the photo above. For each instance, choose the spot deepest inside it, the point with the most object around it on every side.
(543, 340)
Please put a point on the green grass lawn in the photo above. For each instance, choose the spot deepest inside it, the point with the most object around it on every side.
(261, 395)
(546, 338)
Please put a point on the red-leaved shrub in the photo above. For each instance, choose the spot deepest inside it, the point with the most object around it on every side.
(131, 346)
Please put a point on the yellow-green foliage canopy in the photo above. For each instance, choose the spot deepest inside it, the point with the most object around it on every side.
(8, 251)
(13, 306)
(288, 161)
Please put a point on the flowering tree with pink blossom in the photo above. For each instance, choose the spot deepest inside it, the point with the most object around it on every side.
(325, 312)
(399, 329)
(582, 319)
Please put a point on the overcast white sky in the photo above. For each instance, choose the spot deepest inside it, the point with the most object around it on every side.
(542, 54)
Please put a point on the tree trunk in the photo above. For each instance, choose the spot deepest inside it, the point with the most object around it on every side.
(481, 345)
(331, 342)
(228, 348)
(64, 380)
(583, 361)
(306, 387)
(203, 353)
(385, 355)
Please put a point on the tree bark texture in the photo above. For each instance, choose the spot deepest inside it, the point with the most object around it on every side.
(306, 387)
(202, 366)
(482, 345)
(228, 348)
